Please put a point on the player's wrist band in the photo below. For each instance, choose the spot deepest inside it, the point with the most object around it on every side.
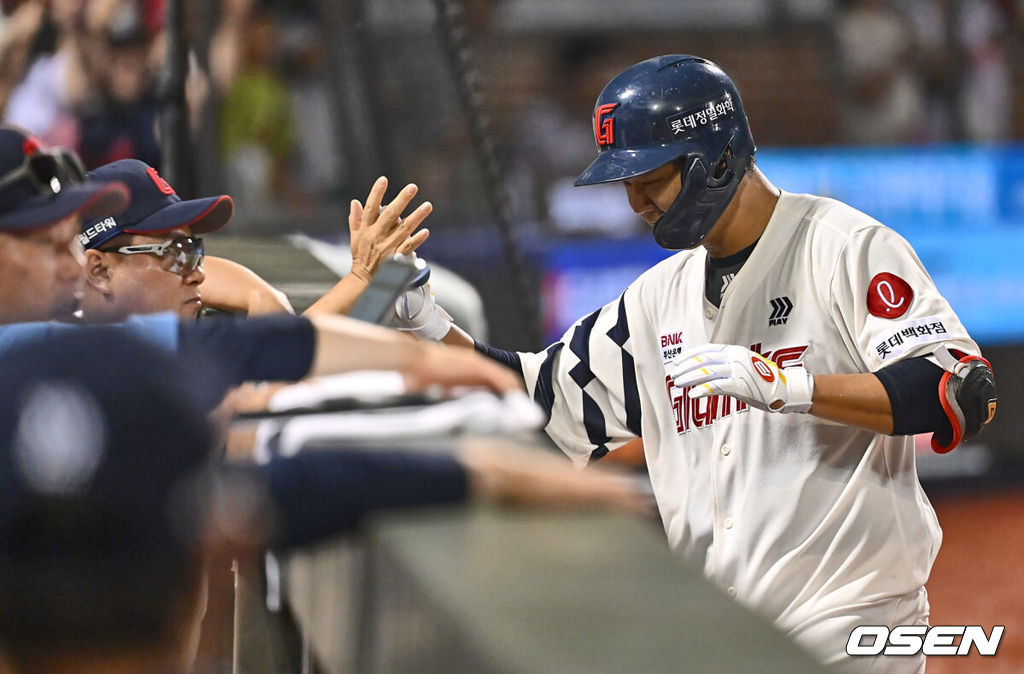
(436, 326)
(799, 390)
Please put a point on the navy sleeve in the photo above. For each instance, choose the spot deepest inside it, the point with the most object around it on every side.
(160, 329)
(913, 389)
(507, 358)
(318, 494)
(267, 348)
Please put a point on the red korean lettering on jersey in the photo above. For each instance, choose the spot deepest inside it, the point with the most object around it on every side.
(889, 296)
(604, 125)
(161, 184)
(701, 412)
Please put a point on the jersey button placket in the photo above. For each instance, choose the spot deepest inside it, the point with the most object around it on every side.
(725, 494)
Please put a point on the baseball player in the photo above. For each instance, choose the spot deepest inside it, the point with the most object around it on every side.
(776, 368)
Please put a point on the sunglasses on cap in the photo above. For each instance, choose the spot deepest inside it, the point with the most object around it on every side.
(181, 255)
(46, 171)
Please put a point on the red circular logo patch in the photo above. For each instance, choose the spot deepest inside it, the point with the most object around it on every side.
(889, 296)
(160, 182)
(763, 369)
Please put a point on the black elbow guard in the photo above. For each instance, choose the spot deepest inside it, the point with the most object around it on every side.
(967, 392)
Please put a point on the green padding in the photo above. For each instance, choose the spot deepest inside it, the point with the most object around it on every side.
(484, 590)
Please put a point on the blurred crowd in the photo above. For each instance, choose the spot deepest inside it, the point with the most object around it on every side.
(86, 75)
(902, 72)
(82, 75)
(928, 70)
(266, 93)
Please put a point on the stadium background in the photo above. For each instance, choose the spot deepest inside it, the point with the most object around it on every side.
(911, 110)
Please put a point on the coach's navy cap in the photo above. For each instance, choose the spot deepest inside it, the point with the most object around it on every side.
(99, 457)
(40, 186)
(154, 207)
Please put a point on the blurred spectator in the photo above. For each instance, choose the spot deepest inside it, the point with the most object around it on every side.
(257, 132)
(83, 75)
(884, 99)
(42, 73)
(934, 56)
(963, 49)
(554, 138)
(554, 141)
(119, 121)
(312, 109)
(985, 93)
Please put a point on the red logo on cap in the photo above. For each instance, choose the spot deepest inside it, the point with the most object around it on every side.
(763, 369)
(160, 182)
(604, 126)
(889, 296)
(30, 145)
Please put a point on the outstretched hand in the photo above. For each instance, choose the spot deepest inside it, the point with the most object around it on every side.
(378, 233)
(507, 472)
(452, 368)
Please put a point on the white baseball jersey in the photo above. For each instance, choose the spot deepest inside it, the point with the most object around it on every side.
(800, 518)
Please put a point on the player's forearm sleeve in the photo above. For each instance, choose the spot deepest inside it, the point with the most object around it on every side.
(271, 348)
(324, 493)
(912, 386)
(507, 358)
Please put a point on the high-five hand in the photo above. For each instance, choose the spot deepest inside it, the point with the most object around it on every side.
(377, 234)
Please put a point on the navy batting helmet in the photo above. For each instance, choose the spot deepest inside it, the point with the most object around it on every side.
(669, 108)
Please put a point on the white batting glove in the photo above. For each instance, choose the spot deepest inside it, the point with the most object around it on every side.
(417, 312)
(724, 369)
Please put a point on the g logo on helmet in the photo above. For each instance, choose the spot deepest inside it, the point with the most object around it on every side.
(763, 369)
(604, 130)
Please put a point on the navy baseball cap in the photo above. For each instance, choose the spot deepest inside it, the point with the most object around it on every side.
(41, 186)
(154, 207)
(95, 453)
